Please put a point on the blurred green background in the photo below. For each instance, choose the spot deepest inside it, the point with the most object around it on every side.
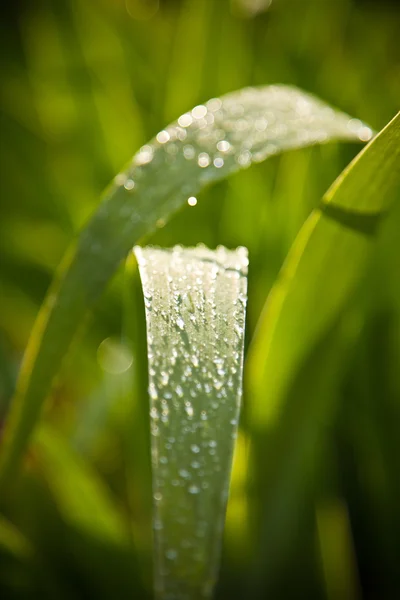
(85, 83)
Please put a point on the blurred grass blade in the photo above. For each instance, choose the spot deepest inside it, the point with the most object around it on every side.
(204, 145)
(302, 340)
(195, 302)
(80, 495)
(13, 542)
(337, 551)
(322, 269)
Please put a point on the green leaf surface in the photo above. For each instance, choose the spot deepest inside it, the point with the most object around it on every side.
(204, 145)
(321, 271)
(195, 301)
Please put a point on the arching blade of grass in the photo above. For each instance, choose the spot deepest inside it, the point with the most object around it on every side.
(322, 269)
(195, 302)
(204, 145)
(300, 327)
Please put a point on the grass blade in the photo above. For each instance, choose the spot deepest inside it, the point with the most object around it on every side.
(204, 145)
(195, 310)
(322, 269)
(80, 495)
(302, 324)
(13, 542)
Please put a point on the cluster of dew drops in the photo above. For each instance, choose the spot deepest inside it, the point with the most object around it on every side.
(195, 306)
(232, 132)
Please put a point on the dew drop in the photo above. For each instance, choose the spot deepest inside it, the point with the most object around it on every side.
(180, 322)
(144, 156)
(185, 120)
(171, 554)
(163, 137)
(120, 179)
(203, 159)
(199, 112)
(223, 146)
(153, 392)
(164, 378)
(189, 152)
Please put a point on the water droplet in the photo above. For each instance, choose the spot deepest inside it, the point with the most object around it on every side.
(180, 322)
(192, 201)
(144, 156)
(365, 134)
(164, 377)
(129, 184)
(223, 146)
(199, 112)
(154, 413)
(189, 152)
(195, 448)
(193, 489)
(189, 410)
(203, 159)
(185, 120)
(163, 137)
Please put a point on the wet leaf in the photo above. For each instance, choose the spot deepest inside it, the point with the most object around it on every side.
(195, 302)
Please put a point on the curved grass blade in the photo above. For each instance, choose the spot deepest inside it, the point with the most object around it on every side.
(195, 302)
(300, 346)
(322, 269)
(204, 145)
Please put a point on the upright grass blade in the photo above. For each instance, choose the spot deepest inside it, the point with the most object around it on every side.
(204, 145)
(195, 302)
(289, 403)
